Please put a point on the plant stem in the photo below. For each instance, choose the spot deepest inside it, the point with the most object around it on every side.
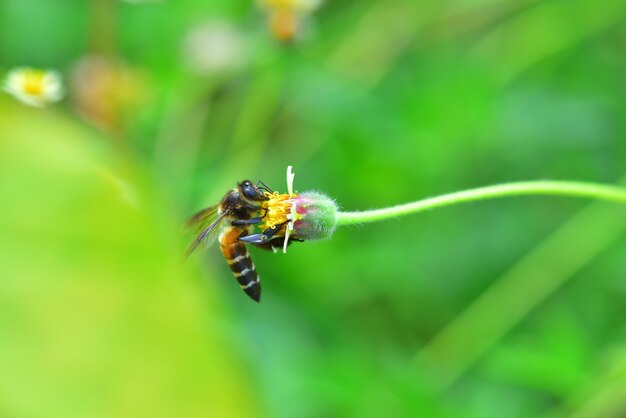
(542, 187)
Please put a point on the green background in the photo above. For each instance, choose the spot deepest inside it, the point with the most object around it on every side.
(500, 309)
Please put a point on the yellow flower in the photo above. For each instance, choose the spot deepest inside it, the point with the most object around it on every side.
(307, 216)
(34, 87)
(281, 209)
(286, 18)
(296, 6)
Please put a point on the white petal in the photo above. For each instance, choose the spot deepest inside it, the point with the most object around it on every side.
(290, 177)
(287, 233)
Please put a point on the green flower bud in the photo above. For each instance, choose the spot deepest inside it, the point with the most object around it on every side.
(314, 216)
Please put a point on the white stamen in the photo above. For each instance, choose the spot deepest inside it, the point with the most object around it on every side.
(290, 177)
(292, 216)
(293, 213)
(287, 233)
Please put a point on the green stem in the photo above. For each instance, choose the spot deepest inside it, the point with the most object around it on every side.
(541, 187)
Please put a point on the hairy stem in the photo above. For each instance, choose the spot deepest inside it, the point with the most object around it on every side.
(542, 187)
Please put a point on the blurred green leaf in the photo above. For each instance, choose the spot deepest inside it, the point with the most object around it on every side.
(98, 318)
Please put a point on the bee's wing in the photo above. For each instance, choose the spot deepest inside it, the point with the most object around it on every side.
(206, 223)
(202, 219)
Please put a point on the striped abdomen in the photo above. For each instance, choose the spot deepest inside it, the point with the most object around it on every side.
(240, 263)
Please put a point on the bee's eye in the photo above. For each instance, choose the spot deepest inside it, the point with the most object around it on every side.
(248, 191)
(251, 192)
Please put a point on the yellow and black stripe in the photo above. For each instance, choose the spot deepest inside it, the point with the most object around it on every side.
(240, 262)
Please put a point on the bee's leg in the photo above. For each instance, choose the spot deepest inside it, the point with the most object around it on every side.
(246, 222)
(252, 239)
(260, 238)
(253, 208)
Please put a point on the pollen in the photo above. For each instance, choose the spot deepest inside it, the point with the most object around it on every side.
(279, 209)
(34, 82)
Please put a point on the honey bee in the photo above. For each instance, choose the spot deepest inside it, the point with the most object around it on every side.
(231, 221)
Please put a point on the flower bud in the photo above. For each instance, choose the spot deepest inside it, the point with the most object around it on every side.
(300, 216)
(314, 216)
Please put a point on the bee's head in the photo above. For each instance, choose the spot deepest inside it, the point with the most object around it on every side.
(251, 192)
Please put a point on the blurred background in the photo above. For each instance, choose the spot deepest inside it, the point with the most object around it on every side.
(502, 309)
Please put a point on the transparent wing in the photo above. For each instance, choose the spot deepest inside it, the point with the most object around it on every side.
(202, 219)
(206, 224)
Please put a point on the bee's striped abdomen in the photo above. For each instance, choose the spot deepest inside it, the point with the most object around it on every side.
(240, 262)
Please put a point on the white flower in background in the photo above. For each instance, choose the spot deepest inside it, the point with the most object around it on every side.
(34, 87)
(214, 47)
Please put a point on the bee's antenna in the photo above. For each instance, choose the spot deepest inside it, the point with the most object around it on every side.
(263, 186)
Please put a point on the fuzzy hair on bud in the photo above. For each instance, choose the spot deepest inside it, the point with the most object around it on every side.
(317, 216)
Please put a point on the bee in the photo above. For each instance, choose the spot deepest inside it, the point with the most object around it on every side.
(231, 221)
